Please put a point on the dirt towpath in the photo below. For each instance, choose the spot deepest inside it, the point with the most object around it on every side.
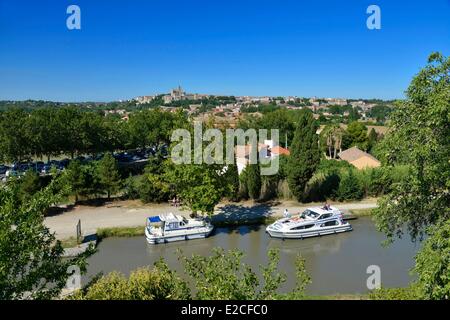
(132, 213)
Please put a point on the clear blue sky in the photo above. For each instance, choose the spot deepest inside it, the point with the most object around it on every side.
(139, 47)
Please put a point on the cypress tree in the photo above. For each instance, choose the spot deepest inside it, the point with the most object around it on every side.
(254, 181)
(305, 155)
(232, 175)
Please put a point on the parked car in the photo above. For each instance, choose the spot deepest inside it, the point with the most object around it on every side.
(3, 169)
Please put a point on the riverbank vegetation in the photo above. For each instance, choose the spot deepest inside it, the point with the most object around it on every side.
(103, 233)
(221, 276)
(31, 260)
(419, 137)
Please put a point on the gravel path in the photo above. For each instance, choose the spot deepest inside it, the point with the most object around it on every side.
(122, 214)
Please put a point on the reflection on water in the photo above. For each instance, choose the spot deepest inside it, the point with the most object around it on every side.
(336, 263)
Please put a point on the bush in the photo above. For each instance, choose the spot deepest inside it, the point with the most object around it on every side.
(131, 188)
(433, 263)
(322, 186)
(154, 189)
(408, 293)
(349, 188)
(158, 283)
(29, 184)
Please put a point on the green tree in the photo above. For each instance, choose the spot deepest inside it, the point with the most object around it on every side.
(200, 186)
(109, 175)
(37, 269)
(357, 135)
(30, 183)
(221, 276)
(372, 139)
(353, 115)
(349, 187)
(419, 136)
(15, 144)
(254, 181)
(305, 156)
(154, 188)
(224, 276)
(75, 178)
(232, 176)
(157, 283)
(433, 264)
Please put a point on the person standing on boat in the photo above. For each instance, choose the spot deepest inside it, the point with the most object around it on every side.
(286, 213)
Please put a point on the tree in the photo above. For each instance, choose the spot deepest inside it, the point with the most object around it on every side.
(75, 178)
(200, 186)
(331, 140)
(305, 156)
(372, 139)
(221, 276)
(232, 177)
(31, 262)
(44, 131)
(254, 181)
(108, 173)
(14, 135)
(154, 188)
(349, 187)
(433, 264)
(158, 283)
(353, 115)
(357, 135)
(419, 136)
(29, 183)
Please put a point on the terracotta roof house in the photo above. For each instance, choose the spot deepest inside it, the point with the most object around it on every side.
(277, 151)
(359, 159)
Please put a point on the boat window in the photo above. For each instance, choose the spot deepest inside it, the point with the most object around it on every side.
(310, 214)
(329, 223)
(173, 225)
(303, 227)
(326, 215)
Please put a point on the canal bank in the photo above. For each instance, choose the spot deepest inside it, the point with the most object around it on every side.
(337, 264)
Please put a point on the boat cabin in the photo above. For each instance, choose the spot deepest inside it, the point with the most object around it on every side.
(168, 222)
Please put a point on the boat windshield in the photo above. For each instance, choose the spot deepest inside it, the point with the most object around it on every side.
(310, 214)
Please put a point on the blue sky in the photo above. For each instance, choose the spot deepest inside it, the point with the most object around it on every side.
(130, 48)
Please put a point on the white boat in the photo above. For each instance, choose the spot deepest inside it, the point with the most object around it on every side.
(170, 227)
(311, 223)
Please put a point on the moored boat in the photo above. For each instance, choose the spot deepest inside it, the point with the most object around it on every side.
(169, 227)
(313, 222)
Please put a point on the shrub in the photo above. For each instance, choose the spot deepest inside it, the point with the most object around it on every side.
(131, 187)
(408, 293)
(349, 188)
(322, 186)
(157, 283)
(154, 189)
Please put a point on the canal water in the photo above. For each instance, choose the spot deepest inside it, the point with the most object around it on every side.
(335, 263)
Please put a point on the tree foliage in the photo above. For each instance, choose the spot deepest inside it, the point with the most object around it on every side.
(253, 180)
(305, 156)
(419, 136)
(157, 283)
(31, 263)
(108, 173)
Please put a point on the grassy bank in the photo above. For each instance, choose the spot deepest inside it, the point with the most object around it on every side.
(69, 243)
(361, 212)
(120, 232)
